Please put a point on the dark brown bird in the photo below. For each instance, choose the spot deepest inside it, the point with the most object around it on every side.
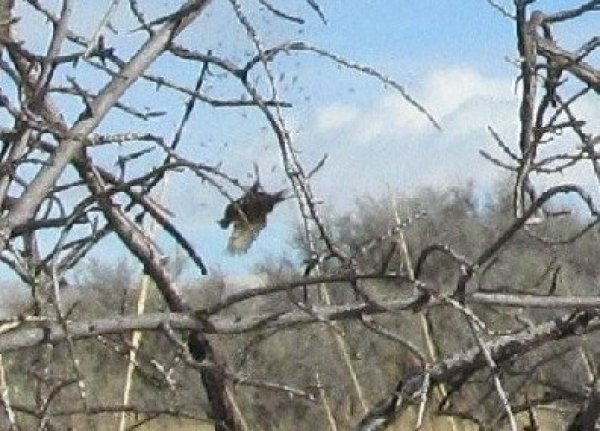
(249, 216)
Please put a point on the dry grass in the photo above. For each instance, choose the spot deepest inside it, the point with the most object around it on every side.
(548, 421)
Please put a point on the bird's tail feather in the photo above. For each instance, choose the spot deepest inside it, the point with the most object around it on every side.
(242, 236)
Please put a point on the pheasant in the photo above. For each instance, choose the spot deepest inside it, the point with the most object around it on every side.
(248, 214)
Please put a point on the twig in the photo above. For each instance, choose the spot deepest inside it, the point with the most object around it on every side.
(5, 398)
(93, 42)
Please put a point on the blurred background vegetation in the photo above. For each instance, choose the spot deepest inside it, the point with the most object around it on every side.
(460, 217)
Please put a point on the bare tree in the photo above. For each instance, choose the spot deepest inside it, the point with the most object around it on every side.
(55, 184)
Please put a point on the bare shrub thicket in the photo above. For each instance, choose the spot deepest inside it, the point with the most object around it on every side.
(436, 310)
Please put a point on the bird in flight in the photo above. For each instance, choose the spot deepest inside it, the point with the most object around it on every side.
(248, 214)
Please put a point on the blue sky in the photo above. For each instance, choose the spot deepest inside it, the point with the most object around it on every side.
(449, 55)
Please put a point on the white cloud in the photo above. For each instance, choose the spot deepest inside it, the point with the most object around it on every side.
(391, 143)
(443, 93)
(446, 90)
(335, 116)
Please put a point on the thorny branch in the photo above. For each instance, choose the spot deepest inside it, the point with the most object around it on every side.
(50, 154)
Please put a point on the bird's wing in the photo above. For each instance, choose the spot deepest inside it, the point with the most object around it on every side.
(243, 235)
